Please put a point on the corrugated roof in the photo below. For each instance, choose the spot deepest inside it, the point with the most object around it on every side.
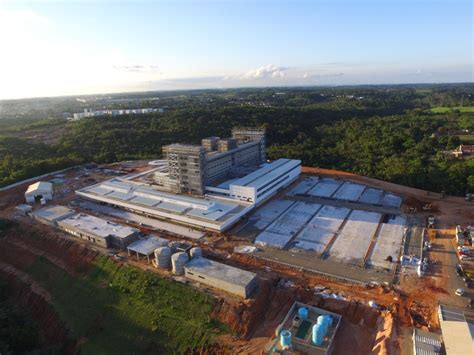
(426, 343)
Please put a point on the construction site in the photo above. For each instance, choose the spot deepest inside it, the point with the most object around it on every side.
(277, 245)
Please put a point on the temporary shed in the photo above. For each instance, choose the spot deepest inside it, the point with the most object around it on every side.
(39, 190)
(146, 246)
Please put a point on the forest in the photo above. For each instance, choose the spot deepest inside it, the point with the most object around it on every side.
(393, 133)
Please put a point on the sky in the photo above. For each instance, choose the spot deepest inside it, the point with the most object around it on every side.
(73, 47)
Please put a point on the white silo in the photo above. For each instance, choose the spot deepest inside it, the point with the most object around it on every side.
(195, 252)
(178, 261)
(163, 257)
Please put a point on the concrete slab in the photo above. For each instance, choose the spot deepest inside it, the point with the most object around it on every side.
(390, 200)
(353, 241)
(325, 188)
(304, 186)
(280, 232)
(389, 242)
(371, 196)
(330, 217)
(321, 228)
(349, 191)
(318, 238)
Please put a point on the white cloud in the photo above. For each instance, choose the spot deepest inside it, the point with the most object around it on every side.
(266, 72)
(137, 68)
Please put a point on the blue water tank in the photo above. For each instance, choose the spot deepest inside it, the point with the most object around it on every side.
(330, 320)
(323, 321)
(303, 312)
(285, 339)
(318, 334)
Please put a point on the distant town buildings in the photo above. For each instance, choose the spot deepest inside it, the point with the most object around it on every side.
(98, 113)
(463, 150)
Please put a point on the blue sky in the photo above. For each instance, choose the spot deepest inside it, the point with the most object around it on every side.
(74, 47)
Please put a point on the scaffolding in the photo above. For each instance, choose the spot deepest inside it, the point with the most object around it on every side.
(186, 167)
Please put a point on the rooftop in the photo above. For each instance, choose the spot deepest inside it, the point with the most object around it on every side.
(54, 213)
(426, 343)
(40, 185)
(142, 197)
(220, 271)
(147, 245)
(264, 174)
(98, 226)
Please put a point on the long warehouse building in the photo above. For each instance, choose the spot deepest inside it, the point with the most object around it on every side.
(217, 211)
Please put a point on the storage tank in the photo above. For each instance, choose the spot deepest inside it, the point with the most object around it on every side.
(163, 257)
(178, 261)
(285, 339)
(323, 321)
(303, 312)
(173, 246)
(195, 252)
(318, 334)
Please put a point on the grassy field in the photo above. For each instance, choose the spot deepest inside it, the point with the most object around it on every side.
(462, 109)
(121, 310)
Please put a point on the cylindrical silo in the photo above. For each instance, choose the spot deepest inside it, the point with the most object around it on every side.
(178, 261)
(285, 339)
(318, 334)
(195, 252)
(163, 257)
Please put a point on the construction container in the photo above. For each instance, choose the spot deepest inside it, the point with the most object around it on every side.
(195, 252)
(318, 334)
(163, 257)
(285, 339)
(178, 261)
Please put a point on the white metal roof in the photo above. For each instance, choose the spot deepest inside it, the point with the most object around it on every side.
(145, 196)
(98, 226)
(40, 186)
